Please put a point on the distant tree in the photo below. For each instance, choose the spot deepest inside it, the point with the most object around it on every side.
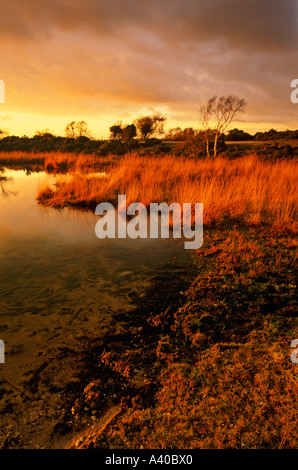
(178, 134)
(116, 131)
(77, 129)
(188, 133)
(82, 129)
(3, 133)
(129, 132)
(45, 132)
(70, 130)
(149, 126)
(276, 135)
(238, 135)
(223, 110)
(172, 134)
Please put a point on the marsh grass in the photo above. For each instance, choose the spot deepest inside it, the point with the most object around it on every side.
(247, 189)
(56, 162)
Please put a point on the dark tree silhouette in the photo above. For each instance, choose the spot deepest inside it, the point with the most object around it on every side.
(116, 131)
(149, 126)
(129, 132)
(77, 129)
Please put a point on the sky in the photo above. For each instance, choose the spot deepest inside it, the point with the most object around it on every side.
(105, 61)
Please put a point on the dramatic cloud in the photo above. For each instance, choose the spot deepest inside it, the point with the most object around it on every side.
(124, 57)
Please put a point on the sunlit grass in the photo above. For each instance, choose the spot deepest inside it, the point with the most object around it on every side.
(57, 162)
(246, 189)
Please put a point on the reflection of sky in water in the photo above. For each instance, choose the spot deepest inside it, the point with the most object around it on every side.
(21, 217)
(61, 287)
(42, 245)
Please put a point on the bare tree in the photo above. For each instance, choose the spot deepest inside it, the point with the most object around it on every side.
(74, 129)
(70, 130)
(206, 111)
(224, 110)
(82, 129)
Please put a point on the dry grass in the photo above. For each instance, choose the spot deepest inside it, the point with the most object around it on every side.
(246, 189)
(10, 158)
(220, 357)
(57, 162)
(241, 397)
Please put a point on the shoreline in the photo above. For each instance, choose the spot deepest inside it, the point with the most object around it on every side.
(203, 358)
(175, 354)
(62, 377)
(174, 362)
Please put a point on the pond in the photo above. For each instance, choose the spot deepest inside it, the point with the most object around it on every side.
(60, 286)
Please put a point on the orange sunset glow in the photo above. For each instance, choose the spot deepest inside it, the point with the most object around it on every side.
(105, 61)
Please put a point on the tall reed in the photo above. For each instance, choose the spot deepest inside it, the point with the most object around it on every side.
(246, 189)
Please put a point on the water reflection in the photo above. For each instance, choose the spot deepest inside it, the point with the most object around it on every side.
(61, 288)
(53, 266)
(3, 182)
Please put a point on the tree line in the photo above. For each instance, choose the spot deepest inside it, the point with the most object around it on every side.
(146, 133)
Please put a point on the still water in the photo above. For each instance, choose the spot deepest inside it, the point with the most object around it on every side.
(59, 286)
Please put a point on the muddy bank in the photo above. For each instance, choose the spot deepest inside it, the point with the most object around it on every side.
(70, 388)
(123, 369)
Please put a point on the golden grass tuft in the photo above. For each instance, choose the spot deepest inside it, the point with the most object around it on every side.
(246, 189)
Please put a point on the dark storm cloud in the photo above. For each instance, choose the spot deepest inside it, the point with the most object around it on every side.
(264, 25)
(61, 54)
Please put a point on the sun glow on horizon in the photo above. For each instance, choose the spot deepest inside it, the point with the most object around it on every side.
(27, 124)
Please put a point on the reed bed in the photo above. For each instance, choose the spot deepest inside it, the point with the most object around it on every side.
(57, 162)
(246, 189)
